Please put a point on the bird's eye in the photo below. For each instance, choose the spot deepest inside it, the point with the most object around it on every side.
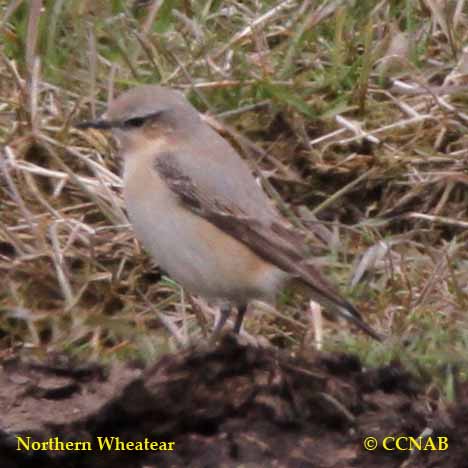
(135, 122)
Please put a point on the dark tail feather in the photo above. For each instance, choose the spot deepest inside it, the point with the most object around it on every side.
(349, 312)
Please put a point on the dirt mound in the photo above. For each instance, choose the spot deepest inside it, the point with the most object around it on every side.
(227, 406)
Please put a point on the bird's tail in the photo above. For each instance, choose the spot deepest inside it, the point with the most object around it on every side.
(349, 312)
(321, 291)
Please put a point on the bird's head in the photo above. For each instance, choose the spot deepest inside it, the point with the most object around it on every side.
(145, 114)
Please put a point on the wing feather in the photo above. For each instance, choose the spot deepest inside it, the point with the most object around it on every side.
(274, 241)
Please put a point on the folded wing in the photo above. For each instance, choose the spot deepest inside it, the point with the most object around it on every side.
(274, 241)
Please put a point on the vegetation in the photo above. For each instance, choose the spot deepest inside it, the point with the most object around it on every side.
(351, 113)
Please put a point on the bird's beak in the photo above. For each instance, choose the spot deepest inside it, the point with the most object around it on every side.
(100, 124)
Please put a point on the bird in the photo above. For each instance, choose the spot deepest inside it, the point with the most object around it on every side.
(198, 210)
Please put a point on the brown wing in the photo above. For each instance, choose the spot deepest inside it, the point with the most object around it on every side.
(275, 242)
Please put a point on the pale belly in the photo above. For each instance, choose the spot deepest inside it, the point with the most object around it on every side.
(200, 257)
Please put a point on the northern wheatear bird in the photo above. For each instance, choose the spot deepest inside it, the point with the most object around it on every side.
(198, 210)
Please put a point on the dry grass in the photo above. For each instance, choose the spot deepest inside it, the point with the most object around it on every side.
(352, 116)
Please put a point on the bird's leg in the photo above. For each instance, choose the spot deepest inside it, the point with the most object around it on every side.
(224, 312)
(241, 310)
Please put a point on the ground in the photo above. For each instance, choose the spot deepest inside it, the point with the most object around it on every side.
(228, 405)
(352, 117)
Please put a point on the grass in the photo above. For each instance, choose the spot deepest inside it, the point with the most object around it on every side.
(353, 116)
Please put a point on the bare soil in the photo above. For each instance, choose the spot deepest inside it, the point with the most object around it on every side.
(230, 405)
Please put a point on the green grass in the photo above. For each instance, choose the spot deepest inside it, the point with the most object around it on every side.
(74, 278)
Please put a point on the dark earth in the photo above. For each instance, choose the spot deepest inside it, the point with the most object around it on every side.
(231, 405)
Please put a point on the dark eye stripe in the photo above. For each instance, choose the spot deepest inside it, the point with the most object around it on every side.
(138, 122)
(135, 122)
